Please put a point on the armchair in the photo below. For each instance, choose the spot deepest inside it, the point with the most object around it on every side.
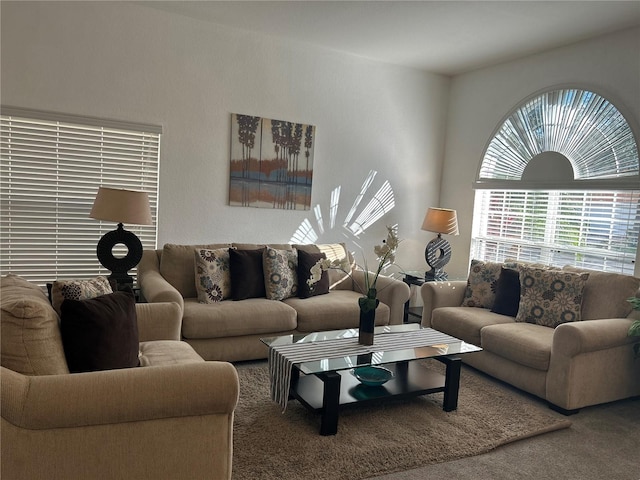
(170, 418)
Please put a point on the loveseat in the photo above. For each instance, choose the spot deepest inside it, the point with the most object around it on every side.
(230, 329)
(573, 356)
(172, 417)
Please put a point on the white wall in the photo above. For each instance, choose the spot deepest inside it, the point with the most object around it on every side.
(129, 62)
(133, 63)
(480, 101)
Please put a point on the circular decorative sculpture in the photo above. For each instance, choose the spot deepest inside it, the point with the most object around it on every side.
(437, 254)
(119, 266)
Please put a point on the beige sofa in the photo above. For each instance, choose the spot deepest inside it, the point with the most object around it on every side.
(231, 330)
(172, 418)
(574, 365)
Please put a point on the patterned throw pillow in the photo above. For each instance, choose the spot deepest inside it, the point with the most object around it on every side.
(334, 252)
(550, 297)
(481, 284)
(78, 290)
(213, 277)
(306, 260)
(280, 273)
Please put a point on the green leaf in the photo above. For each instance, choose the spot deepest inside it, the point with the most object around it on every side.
(634, 329)
(635, 302)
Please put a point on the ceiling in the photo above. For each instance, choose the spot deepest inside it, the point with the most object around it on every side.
(446, 37)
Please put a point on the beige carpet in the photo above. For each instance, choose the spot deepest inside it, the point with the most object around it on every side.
(395, 436)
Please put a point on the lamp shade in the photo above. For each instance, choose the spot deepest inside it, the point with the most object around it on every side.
(121, 206)
(441, 220)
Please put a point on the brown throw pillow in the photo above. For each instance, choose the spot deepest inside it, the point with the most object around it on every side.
(247, 274)
(507, 298)
(306, 260)
(100, 333)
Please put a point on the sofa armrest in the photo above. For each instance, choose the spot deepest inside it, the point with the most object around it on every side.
(146, 422)
(440, 294)
(573, 338)
(154, 286)
(393, 293)
(143, 393)
(159, 321)
(592, 362)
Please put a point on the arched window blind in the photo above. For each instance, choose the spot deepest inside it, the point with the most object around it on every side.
(559, 183)
(51, 168)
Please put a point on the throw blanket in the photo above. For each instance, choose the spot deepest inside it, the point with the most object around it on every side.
(283, 357)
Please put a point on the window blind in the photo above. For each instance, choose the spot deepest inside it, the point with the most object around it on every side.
(594, 229)
(591, 220)
(582, 125)
(50, 170)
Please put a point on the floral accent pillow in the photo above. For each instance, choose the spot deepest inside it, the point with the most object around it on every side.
(280, 273)
(62, 290)
(550, 297)
(481, 284)
(213, 276)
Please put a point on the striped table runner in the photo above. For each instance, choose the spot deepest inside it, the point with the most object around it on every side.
(283, 357)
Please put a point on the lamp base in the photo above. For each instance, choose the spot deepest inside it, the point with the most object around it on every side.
(435, 274)
(119, 267)
(437, 254)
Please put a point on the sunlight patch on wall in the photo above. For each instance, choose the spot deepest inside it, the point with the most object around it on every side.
(363, 190)
(380, 203)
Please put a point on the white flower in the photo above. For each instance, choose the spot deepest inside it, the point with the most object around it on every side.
(316, 271)
(386, 254)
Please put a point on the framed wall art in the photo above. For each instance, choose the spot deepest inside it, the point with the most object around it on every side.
(271, 163)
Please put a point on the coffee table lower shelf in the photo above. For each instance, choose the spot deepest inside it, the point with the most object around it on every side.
(326, 392)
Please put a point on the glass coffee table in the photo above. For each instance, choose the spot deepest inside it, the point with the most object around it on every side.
(324, 381)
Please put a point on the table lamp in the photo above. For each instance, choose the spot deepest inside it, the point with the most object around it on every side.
(438, 251)
(121, 206)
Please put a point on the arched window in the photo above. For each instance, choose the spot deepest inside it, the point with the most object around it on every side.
(559, 183)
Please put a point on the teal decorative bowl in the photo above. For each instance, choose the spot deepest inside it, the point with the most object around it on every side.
(372, 376)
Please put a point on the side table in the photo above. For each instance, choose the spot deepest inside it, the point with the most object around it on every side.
(413, 314)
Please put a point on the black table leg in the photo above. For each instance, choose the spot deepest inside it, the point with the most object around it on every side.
(451, 383)
(330, 403)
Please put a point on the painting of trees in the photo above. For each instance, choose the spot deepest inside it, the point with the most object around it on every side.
(266, 171)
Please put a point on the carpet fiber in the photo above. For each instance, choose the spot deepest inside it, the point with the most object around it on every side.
(374, 440)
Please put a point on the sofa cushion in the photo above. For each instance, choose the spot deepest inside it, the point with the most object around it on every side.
(605, 294)
(280, 273)
(100, 333)
(507, 298)
(78, 290)
(481, 284)
(247, 274)
(167, 352)
(306, 260)
(177, 266)
(213, 276)
(31, 343)
(550, 297)
(524, 343)
(335, 311)
(466, 323)
(228, 318)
